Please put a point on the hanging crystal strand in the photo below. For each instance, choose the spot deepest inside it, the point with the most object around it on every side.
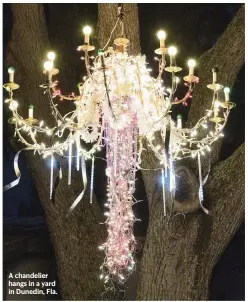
(165, 164)
(201, 197)
(163, 184)
(51, 176)
(134, 150)
(115, 151)
(172, 177)
(165, 156)
(92, 179)
(69, 162)
(200, 177)
(78, 151)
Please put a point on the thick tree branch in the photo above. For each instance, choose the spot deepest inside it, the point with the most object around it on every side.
(228, 54)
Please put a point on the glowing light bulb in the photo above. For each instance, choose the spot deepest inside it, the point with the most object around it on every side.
(161, 35)
(87, 32)
(172, 52)
(11, 72)
(226, 89)
(48, 65)
(191, 64)
(51, 55)
(227, 92)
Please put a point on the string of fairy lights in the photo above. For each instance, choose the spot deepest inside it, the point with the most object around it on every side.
(118, 107)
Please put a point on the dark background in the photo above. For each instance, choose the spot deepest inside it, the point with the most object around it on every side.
(193, 28)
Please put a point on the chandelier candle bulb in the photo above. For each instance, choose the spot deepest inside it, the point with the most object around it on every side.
(51, 56)
(179, 121)
(48, 65)
(87, 32)
(11, 72)
(172, 51)
(215, 71)
(30, 111)
(227, 94)
(191, 64)
(161, 35)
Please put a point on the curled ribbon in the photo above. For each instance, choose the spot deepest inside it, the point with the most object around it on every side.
(81, 195)
(17, 172)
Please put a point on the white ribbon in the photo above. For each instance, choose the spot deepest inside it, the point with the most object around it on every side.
(81, 195)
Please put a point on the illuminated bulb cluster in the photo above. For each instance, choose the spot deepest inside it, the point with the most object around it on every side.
(121, 153)
(120, 104)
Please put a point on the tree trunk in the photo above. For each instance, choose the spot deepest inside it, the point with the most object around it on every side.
(179, 253)
(76, 238)
(107, 16)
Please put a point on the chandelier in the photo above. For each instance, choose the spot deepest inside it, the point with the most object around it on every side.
(119, 106)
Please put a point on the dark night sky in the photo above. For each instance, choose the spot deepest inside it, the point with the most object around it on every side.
(194, 28)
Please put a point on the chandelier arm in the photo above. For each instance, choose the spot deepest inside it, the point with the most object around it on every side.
(55, 111)
(20, 120)
(41, 147)
(23, 140)
(205, 142)
(187, 95)
(173, 90)
(62, 96)
(87, 63)
(107, 92)
(162, 64)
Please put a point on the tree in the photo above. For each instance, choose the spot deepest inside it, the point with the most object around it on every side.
(172, 268)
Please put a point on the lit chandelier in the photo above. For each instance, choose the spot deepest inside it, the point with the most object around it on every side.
(120, 105)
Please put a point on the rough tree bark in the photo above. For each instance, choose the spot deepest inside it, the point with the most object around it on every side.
(75, 239)
(179, 266)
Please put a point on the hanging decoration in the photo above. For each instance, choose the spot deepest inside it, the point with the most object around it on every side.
(120, 105)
